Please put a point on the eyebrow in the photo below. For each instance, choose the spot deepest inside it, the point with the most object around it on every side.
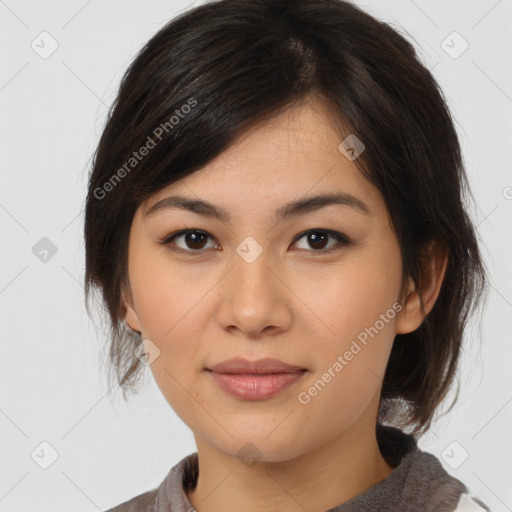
(298, 207)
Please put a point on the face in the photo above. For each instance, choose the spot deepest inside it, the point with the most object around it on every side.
(318, 288)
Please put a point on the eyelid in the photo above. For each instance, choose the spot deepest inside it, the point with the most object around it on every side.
(167, 240)
(342, 240)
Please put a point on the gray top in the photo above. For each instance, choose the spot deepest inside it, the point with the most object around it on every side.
(417, 484)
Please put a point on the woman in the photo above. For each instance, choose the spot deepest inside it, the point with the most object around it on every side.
(276, 224)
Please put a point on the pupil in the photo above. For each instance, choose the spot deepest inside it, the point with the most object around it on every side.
(316, 238)
(317, 235)
(194, 237)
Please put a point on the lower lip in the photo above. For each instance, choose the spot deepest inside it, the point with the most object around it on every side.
(255, 387)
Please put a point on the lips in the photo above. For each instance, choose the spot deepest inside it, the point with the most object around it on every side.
(255, 380)
(265, 366)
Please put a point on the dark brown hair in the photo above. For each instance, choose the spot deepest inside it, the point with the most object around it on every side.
(215, 71)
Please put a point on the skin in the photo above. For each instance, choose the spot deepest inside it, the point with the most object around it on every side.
(292, 303)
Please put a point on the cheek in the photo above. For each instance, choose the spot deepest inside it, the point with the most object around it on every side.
(345, 298)
(351, 355)
(354, 314)
(166, 296)
(170, 307)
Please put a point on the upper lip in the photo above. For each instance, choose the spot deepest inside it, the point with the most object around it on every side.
(260, 366)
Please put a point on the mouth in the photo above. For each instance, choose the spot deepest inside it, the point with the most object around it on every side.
(255, 380)
(265, 366)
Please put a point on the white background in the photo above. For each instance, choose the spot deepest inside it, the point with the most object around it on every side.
(52, 385)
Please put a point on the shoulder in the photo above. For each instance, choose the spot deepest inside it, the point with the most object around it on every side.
(141, 503)
(468, 503)
(170, 494)
(448, 494)
(419, 480)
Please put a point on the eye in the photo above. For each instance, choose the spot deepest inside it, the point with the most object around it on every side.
(317, 238)
(194, 240)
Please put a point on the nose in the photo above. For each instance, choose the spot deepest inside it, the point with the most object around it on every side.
(253, 297)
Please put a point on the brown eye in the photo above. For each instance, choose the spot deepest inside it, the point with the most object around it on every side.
(192, 240)
(195, 240)
(318, 239)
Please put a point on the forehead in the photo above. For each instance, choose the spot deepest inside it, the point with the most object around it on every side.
(291, 155)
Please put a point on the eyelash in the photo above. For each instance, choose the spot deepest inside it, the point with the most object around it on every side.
(343, 241)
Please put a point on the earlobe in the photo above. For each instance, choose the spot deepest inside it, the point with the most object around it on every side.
(131, 318)
(412, 314)
(409, 319)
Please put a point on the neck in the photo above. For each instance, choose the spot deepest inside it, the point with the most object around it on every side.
(323, 478)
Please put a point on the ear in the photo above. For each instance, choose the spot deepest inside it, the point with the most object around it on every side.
(432, 275)
(130, 315)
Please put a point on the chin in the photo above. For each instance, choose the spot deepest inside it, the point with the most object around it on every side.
(251, 450)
